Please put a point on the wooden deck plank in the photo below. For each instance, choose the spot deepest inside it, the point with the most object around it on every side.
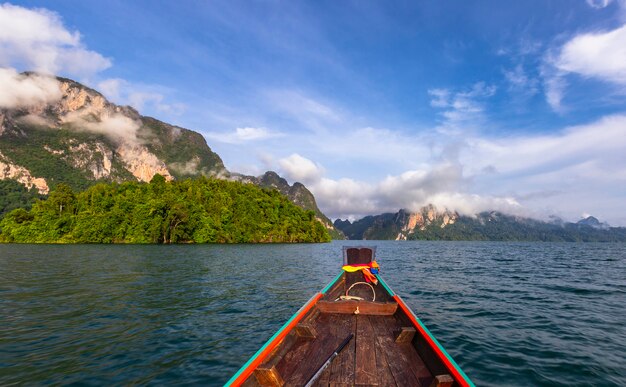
(295, 363)
(396, 355)
(365, 372)
(385, 376)
(417, 365)
(342, 368)
(349, 362)
(324, 379)
(332, 329)
(372, 358)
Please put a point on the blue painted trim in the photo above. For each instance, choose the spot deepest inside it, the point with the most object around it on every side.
(387, 288)
(331, 283)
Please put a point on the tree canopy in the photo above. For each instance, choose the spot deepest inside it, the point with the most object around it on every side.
(14, 195)
(202, 210)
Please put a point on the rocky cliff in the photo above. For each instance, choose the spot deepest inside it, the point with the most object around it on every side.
(402, 225)
(80, 137)
(74, 135)
(429, 223)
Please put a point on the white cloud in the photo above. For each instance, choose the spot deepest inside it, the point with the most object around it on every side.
(462, 109)
(441, 98)
(348, 198)
(139, 100)
(602, 141)
(533, 175)
(382, 146)
(304, 110)
(301, 169)
(33, 119)
(112, 88)
(599, 55)
(139, 97)
(298, 104)
(554, 87)
(18, 90)
(116, 126)
(241, 135)
(186, 168)
(36, 39)
(598, 4)
(520, 82)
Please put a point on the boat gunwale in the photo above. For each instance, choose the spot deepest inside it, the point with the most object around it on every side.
(443, 355)
(248, 368)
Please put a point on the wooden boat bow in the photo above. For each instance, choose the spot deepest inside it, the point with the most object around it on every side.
(391, 346)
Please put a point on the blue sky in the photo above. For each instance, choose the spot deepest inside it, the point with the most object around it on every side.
(515, 106)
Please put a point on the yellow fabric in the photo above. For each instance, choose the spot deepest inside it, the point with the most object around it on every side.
(356, 268)
(365, 269)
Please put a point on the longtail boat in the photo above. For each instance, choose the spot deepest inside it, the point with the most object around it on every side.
(355, 331)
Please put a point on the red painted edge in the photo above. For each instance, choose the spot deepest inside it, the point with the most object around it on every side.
(451, 368)
(259, 359)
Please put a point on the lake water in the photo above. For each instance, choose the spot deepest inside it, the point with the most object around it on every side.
(515, 314)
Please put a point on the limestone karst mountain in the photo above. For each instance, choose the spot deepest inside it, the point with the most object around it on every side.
(431, 223)
(73, 134)
(80, 137)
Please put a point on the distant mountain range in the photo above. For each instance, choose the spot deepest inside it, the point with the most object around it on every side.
(432, 224)
(80, 138)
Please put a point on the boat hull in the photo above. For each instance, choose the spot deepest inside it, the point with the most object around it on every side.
(391, 346)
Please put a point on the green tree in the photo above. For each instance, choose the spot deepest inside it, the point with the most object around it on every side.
(189, 211)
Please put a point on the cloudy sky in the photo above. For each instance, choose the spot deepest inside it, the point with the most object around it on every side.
(375, 106)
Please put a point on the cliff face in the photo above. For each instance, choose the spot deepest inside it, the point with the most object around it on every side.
(429, 223)
(410, 222)
(402, 225)
(79, 137)
(74, 135)
(22, 175)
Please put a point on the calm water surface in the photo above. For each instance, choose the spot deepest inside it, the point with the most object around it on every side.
(515, 314)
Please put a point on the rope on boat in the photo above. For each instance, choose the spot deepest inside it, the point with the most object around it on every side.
(349, 297)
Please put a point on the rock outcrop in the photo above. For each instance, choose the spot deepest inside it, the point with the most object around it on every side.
(76, 136)
(402, 225)
(82, 134)
(9, 170)
(410, 222)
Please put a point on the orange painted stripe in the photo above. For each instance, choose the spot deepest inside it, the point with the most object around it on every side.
(277, 339)
(451, 367)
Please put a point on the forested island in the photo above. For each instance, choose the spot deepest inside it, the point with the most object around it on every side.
(202, 210)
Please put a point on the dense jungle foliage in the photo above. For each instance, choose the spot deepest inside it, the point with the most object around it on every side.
(189, 211)
(14, 195)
